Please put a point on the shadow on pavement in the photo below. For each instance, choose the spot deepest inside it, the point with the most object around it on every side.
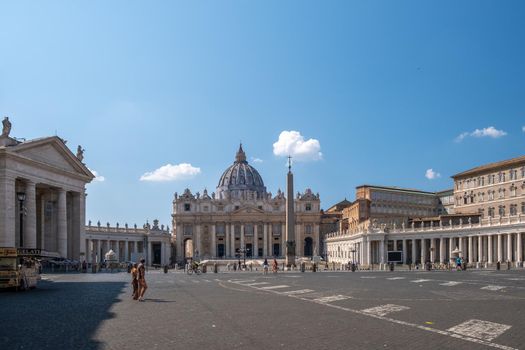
(56, 315)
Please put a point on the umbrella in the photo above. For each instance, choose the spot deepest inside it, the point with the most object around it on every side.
(456, 251)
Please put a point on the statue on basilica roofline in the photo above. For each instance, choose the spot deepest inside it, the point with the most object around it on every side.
(80, 153)
(6, 126)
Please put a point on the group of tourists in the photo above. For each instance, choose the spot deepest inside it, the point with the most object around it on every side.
(138, 280)
(266, 266)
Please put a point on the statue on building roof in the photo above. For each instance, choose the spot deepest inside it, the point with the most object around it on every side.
(80, 153)
(6, 127)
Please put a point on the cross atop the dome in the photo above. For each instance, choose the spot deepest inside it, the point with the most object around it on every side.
(240, 157)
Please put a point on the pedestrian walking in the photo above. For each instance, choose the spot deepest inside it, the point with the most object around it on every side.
(274, 266)
(265, 267)
(142, 279)
(135, 281)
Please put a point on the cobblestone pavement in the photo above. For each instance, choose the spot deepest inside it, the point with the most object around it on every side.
(328, 310)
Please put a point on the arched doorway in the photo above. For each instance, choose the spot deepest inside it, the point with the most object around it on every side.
(188, 248)
(308, 246)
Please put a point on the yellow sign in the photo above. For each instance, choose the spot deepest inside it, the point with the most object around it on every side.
(8, 252)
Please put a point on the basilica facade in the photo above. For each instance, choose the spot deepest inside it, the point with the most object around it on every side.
(242, 219)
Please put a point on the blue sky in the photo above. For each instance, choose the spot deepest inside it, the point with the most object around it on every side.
(382, 89)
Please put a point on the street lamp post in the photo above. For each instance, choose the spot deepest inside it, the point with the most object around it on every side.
(21, 198)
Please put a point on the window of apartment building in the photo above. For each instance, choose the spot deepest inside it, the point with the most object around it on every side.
(482, 181)
(220, 207)
(513, 174)
(523, 171)
(513, 191)
(308, 207)
(468, 183)
(205, 208)
(491, 212)
(480, 196)
(472, 197)
(481, 212)
(465, 199)
(513, 209)
(523, 207)
(491, 195)
(187, 206)
(501, 192)
(493, 176)
(501, 210)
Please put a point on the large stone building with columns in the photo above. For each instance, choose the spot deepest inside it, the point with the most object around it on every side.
(42, 195)
(129, 243)
(486, 226)
(241, 217)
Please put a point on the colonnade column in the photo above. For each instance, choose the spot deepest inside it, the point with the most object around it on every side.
(489, 249)
(62, 223)
(500, 248)
(30, 219)
(232, 240)
(382, 251)
(227, 240)
(126, 251)
(243, 245)
(519, 250)
(265, 240)
(413, 261)
(470, 250)
(442, 250)
(96, 247)
(509, 247)
(405, 253)
(117, 249)
(368, 251)
(198, 239)
(450, 248)
(255, 253)
(423, 251)
(480, 248)
(432, 250)
(8, 212)
(213, 248)
(462, 252)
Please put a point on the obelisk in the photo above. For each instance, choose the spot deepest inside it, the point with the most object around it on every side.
(290, 218)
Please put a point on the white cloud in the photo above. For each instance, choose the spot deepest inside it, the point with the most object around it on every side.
(523, 128)
(169, 172)
(292, 143)
(485, 132)
(98, 178)
(257, 160)
(431, 174)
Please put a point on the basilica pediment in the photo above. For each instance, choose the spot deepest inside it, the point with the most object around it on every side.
(51, 151)
(248, 209)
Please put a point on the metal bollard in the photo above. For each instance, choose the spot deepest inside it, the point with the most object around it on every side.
(314, 268)
(215, 268)
(165, 268)
(498, 265)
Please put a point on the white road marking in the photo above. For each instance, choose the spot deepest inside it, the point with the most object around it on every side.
(331, 298)
(383, 310)
(420, 280)
(483, 330)
(450, 283)
(395, 278)
(207, 281)
(517, 279)
(493, 287)
(256, 284)
(275, 287)
(296, 292)
(242, 281)
(368, 277)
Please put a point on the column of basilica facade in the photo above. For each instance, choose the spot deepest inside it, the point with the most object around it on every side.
(242, 218)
